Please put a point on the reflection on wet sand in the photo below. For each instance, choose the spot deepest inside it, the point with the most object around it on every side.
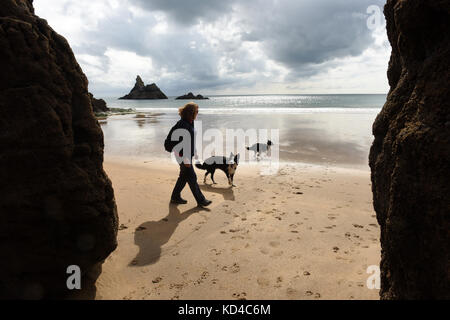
(335, 139)
(147, 118)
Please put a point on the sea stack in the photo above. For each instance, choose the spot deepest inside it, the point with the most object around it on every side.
(143, 92)
(191, 96)
(57, 207)
(410, 158)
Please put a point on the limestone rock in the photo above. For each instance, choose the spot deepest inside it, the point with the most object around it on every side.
(98, 105)
(410, 158)
(191, 96)
(143, 92)
(57, 205)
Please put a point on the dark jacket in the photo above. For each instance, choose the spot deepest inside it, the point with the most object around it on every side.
(183, 124)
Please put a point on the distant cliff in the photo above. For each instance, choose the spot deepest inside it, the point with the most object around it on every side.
(410, 158)
(191, 96)
(57, 206)
(143, 92)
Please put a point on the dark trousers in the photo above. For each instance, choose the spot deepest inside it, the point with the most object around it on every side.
(187, 175)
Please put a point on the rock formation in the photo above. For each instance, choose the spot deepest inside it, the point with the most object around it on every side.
(410, 158)
(191, 96)
(57, 205)
(98, 105)
(143, 92)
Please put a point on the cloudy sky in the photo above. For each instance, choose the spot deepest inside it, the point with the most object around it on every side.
(225, 46)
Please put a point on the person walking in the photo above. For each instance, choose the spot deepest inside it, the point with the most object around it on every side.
(184, 150)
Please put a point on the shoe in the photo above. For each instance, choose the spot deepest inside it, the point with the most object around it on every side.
(178, 201)
(205, 203)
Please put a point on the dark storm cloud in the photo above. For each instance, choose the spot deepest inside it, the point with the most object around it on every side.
(301, 34)
(187, 12)
(298, 34)
(306, 37)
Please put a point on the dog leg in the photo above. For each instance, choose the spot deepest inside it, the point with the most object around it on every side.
(206, 175)
(229, 179)
(232, 181)
(212, 177)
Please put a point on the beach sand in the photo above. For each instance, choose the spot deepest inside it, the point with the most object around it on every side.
(308, 232)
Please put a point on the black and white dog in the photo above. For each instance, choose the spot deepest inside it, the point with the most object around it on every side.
(259, 148)
(228, 166)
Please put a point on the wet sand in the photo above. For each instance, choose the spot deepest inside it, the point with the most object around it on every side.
(308, 232)
(336, 139)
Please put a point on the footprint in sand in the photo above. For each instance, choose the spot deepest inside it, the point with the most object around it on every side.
(291, 292)
(235, 268)
(157, 280)
(263, 282)
(274, 244)
(240, 296)
(277, 253)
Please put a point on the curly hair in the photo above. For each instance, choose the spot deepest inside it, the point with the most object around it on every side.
(189, 111)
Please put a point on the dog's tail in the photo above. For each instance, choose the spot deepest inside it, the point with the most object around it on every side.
(248, 148)
(200, 166)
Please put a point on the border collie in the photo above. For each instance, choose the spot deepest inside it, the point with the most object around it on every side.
(259, 148)
(228, 166)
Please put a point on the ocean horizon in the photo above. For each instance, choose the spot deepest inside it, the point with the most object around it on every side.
(278, 103)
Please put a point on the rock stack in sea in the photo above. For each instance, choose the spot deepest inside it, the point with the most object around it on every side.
(57, 206)
(144, 92)
(410, 158)
(191, 96)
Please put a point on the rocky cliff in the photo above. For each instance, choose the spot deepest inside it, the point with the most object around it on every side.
(57, 204)
(410, 158)
(143, 92)
(98, 105)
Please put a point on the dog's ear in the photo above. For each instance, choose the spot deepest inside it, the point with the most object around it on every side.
(236, 158)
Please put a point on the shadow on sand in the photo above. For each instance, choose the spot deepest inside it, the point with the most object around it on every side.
(152, 235)
(227, 193)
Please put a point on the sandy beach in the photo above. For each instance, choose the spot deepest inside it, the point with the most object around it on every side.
(308, 232)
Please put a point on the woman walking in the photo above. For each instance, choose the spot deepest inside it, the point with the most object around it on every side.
(184, 154)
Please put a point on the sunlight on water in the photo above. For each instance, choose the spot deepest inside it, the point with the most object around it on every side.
(314, 129)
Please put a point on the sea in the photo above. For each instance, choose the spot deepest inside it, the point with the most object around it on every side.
(334, 130)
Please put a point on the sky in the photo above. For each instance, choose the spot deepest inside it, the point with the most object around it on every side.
(226, 47)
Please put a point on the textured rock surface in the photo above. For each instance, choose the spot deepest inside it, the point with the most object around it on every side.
(98, 105)
(410, 158)
(191, 96)
(57, 204)
(143, 92)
